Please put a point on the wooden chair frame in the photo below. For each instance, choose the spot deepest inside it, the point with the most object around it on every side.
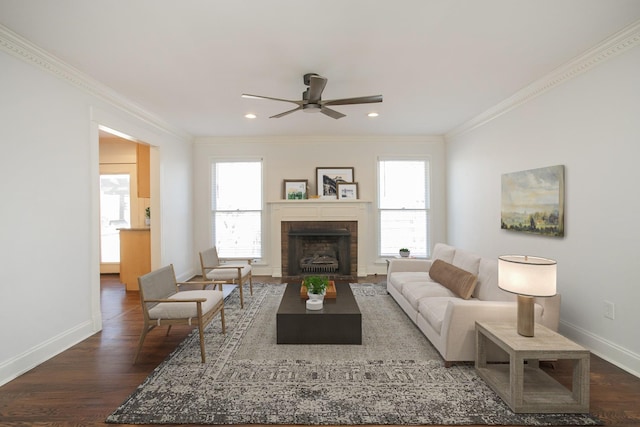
(239, 279)
(202, 318)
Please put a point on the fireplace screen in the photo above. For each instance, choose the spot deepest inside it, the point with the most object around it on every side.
(319, 251)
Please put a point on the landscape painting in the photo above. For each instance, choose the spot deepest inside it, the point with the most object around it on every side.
(533, 201)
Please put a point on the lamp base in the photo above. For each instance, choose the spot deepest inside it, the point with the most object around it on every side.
(525, 316)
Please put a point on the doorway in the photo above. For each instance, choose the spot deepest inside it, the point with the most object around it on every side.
(123, 204)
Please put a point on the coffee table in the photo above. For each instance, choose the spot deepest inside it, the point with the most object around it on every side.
(339, 321)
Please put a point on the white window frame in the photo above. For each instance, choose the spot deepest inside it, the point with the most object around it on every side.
(427, 209)
(212, 185)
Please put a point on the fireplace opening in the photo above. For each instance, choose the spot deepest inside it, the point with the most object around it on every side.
(319, 251)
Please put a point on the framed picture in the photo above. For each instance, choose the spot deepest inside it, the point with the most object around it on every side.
(347, 190)
(295, 189)
(533, 201)
(327, 180)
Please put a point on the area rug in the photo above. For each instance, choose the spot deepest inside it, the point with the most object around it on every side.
(395, 377)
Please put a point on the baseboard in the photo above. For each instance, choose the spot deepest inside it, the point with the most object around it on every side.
(611, 352)
(16, 366)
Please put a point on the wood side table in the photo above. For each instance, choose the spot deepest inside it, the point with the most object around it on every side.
(524, 386)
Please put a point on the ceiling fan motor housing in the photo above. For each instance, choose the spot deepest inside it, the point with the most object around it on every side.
(311, 108)
(307, 78)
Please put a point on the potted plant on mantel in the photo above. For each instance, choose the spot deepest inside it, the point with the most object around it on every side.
(316, 290)
(404, 252)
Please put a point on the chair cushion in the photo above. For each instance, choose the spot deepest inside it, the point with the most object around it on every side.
(229, 274)
(459, 281)
(185, 310)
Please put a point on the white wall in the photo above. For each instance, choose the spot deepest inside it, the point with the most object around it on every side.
(298, 157)
(589, 124)
(49, 221)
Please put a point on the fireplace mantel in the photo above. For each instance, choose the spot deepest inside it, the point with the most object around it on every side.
(317, 210)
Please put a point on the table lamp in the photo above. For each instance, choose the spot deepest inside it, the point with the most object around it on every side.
(528, 277)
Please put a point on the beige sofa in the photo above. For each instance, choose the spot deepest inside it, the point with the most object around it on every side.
(446, 312)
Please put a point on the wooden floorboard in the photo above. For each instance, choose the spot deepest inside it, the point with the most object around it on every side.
(83, 385)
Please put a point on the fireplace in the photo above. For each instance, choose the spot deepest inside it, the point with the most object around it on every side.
(319, 247)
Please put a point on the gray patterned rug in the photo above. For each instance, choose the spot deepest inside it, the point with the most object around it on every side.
(395, 377)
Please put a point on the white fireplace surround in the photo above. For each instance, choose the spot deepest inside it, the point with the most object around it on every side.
(318, 210)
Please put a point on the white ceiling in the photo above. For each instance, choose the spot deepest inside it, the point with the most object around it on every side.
(438, 63)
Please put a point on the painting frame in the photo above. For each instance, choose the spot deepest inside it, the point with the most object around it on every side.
(295, 189)
(532, 201)
(328, 177)
(347, 190)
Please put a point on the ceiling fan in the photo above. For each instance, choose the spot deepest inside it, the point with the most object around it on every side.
(312, 102)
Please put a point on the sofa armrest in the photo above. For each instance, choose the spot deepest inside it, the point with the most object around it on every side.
(459, 324)
(408, 264)
(460, 319)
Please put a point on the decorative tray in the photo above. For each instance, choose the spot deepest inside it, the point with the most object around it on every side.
(331, 291)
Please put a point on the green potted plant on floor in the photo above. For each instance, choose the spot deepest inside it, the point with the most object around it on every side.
(404, 252)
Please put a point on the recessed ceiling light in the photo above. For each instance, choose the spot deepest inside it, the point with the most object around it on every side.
(372, 115)
(250, 116)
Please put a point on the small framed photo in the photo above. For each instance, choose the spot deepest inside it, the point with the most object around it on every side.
(347, 190)
(328, 178)
(295, 189)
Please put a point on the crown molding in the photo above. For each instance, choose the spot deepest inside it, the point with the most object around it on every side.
(622, 41)
(21, 48)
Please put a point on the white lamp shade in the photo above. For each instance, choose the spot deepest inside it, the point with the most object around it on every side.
(527, 275)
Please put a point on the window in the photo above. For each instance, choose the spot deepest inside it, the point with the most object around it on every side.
(403, 206)
(236, 208)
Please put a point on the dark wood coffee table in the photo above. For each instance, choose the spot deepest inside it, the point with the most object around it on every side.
(339, 321)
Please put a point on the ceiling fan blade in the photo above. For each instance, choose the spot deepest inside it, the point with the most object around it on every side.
(246, 95)
(316, 86)
(332, 113)
(277, 116)
(358, 100)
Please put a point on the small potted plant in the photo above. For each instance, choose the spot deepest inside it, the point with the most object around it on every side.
(404, 252)
(316, 285)
(316, 290)
(147, 216)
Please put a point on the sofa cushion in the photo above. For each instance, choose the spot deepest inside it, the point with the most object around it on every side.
(487, 287)
(459, 281)
(467, 261)
(433, 311)
(414, 292)
(444, 252)
(400, 278)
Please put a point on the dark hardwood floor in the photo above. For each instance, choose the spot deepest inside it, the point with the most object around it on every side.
(84, 384)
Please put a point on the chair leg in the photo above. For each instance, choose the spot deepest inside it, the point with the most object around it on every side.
(224, 327)
(251, 283)
(143, 335)
(168, 330)
(201, 332)
(241, 294)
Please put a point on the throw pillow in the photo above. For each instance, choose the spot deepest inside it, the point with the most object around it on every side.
(459, 281)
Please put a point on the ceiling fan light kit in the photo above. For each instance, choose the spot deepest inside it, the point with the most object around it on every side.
(312, 102)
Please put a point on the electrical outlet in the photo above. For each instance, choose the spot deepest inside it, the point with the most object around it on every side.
(609, 310)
